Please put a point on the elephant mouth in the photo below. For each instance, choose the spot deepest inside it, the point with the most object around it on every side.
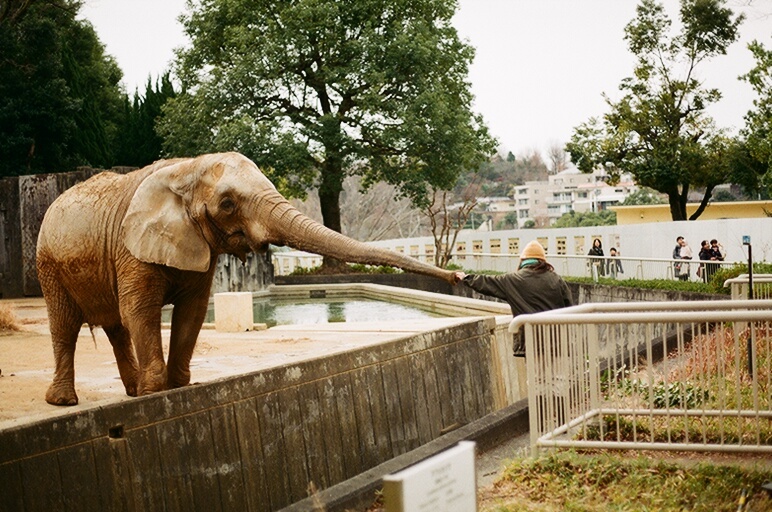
(234, 242)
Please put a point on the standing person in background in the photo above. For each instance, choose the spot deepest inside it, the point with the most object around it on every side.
(532, 288)
(598, 265)
(686, 254)
(704, 271)
(717, 254)
(717, 249)
(677, 256)
(614, 264)
(678, 266)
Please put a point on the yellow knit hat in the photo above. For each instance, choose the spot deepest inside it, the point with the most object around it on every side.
(533, 249)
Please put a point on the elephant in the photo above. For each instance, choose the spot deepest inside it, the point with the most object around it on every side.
(116, 248)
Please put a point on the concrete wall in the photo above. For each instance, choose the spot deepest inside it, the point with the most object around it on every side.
(254, 442)
(641, 214)
(652, 240)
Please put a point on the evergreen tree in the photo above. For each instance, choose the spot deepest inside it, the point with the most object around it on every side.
(138, 143)
(59, 93)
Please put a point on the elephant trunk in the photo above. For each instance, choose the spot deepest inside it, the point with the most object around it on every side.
(287, 226)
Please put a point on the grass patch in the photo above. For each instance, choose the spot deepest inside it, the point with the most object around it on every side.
(711, 373)
(599, 482)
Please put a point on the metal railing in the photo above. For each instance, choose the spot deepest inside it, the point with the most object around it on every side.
(598, 266)
(565, 265)
(762, 286)
(666, 376)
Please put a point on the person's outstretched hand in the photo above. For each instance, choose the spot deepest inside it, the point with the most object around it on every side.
(460, 276)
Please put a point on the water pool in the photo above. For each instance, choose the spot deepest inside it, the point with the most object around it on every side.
(321, 311)
(284, 311)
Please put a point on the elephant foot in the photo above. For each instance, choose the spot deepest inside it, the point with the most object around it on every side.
(61, 395)
(131, 390)
(130, 383)
(178, 379)
(152, 383)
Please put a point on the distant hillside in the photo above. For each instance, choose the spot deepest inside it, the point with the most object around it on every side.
(497, 177)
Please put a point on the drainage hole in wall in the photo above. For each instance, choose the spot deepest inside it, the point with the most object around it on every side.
(115, 432)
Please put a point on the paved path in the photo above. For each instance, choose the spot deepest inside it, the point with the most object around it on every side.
(491, 464)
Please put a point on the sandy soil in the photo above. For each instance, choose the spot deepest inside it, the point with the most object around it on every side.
(26, 357)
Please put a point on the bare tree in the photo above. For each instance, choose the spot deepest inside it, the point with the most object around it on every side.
(447, 220)
(377, 214)
(558, 158)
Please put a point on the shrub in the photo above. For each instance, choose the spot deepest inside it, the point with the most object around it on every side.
(724, 273)
(650, 284)
(356, 268)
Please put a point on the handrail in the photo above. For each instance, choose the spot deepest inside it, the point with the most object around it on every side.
(641, 312)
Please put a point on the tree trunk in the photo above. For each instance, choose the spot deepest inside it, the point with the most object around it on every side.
(677, 201)
(703, 203)
(676, 211)
(329, 201)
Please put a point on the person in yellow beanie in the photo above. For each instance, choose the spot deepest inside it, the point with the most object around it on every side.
(532, 288)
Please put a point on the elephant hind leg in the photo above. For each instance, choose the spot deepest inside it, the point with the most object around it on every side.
(65, 319)
(124, 356)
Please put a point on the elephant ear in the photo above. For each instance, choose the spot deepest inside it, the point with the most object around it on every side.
(158, 227)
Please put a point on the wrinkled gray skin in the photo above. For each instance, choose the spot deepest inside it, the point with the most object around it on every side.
(115, 249)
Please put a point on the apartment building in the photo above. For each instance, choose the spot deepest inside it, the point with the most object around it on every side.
(544, 202)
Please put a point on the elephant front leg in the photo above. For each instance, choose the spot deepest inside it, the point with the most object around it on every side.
(187, 319)
(143, 322)
(125, 357)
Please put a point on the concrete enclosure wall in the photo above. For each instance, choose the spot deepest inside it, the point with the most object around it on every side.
(256, 441)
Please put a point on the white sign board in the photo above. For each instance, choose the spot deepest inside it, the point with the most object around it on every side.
(445, 482)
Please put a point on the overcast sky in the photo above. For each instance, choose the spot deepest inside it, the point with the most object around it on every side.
(540, 67)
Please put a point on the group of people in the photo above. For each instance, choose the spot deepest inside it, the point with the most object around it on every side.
(601, 266)
(535, 287)
(709, 252)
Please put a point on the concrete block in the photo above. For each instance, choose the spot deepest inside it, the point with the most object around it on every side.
(233, 311)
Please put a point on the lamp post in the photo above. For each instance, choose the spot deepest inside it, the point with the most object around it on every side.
(747, 241)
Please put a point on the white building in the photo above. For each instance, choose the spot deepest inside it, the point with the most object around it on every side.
(546, 201)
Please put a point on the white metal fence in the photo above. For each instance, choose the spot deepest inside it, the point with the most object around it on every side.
(599, 266)
(565, 265)
(668, 376)
(740, 285)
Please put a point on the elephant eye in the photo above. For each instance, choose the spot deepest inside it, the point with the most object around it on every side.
(227, 205)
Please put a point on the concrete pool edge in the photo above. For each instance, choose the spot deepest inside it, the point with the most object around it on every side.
(449, 305)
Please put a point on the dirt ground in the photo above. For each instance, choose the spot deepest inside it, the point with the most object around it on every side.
(26, 356)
